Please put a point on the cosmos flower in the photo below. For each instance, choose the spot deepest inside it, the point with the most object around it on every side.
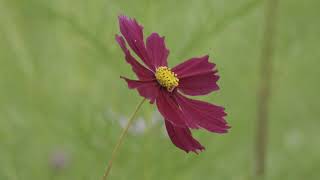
(168, 87)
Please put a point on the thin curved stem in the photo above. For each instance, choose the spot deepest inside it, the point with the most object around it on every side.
(123, 133)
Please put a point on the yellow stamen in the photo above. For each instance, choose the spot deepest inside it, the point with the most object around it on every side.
(167, 78)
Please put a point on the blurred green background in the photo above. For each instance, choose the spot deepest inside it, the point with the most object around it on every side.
(62, 104)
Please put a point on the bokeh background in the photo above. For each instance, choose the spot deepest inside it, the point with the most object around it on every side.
(63, 106)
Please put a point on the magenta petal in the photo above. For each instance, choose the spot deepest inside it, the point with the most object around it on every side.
(157, 50)
(133, 33)
(197, 76)
(170, 109)
(141, 72)
(205, 115)
(194, 66)
(147, 89)
(199, 84)
(182, 138)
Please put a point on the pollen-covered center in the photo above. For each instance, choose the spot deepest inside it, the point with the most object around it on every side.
(167, 78)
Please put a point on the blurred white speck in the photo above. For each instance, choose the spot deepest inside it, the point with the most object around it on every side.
(293, 139)
(164, 131)
(156, 118)
(110, 114)
(123, 121)
(138, 127)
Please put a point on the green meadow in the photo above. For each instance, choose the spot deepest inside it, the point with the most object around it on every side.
(63, 105)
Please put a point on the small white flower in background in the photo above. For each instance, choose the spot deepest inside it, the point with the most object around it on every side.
(293, 139)
(156, 118)
(110, 114)
(138, 127)
(123, 121)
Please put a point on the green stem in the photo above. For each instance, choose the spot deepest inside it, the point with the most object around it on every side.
(124, 132)
(265, 88)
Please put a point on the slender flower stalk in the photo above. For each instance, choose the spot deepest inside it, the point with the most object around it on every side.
(264, 93)
(124, 132)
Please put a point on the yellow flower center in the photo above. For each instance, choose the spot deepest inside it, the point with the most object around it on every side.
(167, 78)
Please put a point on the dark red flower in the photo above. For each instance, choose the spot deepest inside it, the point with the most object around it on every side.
(165, 86)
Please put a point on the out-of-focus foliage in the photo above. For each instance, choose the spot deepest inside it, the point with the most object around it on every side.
(62, 103)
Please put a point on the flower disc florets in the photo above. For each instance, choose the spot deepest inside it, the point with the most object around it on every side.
(166, 78)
